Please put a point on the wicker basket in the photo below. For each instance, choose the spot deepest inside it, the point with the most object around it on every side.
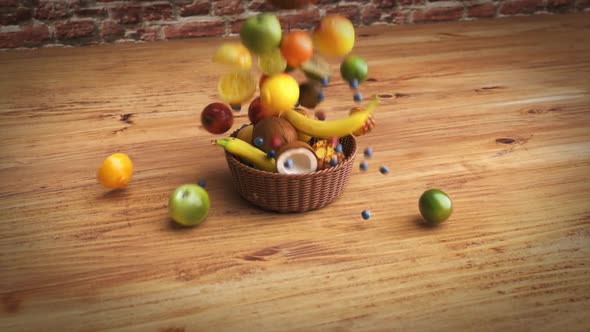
(293, 193)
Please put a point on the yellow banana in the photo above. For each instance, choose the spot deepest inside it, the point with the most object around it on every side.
(248, 152)
(327, 129)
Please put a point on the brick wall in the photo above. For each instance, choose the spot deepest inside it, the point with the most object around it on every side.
(35, 23)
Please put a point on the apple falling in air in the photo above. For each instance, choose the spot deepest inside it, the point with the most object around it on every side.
(217, 118)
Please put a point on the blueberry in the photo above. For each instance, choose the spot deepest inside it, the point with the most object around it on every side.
(354, 83)
(236, 107)
(258, 141)
(338, 148)
(289, 163)
(334, 161)
(364, 166)
(321, 96)
(369, 152)
(202, 183)
(271, 153)
(358, 97)
(366, 214)
(383, 169)
(325, 81)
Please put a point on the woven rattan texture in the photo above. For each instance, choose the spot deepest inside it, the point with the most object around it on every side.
(293, 193)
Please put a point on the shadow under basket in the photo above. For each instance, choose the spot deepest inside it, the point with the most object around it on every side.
(293, 192)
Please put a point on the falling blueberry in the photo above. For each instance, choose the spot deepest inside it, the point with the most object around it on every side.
(364, 166)
(338, 148)
(358, 97)
(325, 81)
(366, 214)
(258, 141)
(202, 183)
(384, 169)
(271, 153)
(236, 107)
(354, 83)
(369, 152)
(289, 163)
(321, 96)
(334, 161)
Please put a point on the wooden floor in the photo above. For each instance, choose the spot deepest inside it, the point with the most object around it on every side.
(494, 112)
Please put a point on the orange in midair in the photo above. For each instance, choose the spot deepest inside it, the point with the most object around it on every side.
(296, 47)
(115, 171)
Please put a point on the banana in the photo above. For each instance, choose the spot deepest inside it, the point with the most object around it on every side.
(327, 129)
(248, 152)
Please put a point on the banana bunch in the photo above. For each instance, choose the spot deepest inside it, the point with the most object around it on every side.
(248, 152)
(326, 129)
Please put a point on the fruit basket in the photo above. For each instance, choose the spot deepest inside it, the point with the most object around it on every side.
(293, 192)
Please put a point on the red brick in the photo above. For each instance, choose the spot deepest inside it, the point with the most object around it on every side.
(111, 30)
(90, 12)
(370, 14)
(149, 34)
(300, 20)
(49, 10)
(411, 2)
(195, 29)
(487, 9)
(8, 3)
(511, 7)
(227, 7)
(28, 36)
(560, 6)
(326, 2)
(436, 14)
(157, 12)
(384, 3)
(23, 14)
(126, 14)
(236, 25)
(260, 6)
(8, 19)
(195, 9)
(16, 16)
(348, 11)
(398, 17)
(74, 29)
(581, 4)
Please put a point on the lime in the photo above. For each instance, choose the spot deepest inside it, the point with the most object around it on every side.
(272, 63)
(334, 36)
(435, 206)
(234, 55)
(279, 93)
(354, 68)
(316, 68)
(237, 86)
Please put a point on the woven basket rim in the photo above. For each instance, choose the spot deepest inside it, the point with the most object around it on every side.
(349, 159)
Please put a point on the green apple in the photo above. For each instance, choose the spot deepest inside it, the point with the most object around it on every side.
(189, 205)
(261, 33)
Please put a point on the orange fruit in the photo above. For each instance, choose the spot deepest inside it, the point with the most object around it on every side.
(297, 47)
(334, 36)
(115, 171)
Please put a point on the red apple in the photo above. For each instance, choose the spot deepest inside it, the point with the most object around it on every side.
(217, 118)
(256, 112)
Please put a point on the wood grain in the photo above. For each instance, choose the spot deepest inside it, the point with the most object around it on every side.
(496, 113)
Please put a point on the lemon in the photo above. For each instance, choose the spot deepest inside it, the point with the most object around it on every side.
(234, 55)
(272, 63)
(279, 93)
(237, 86)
